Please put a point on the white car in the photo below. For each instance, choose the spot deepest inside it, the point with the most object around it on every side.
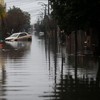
(41, 33)
(19, 36)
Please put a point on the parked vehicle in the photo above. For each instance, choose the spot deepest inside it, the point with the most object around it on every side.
(19, 36)
(41, 33)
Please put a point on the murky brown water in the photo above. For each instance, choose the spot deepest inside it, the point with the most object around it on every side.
(39, 70)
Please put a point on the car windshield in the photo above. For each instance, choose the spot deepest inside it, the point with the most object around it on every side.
(14, 35)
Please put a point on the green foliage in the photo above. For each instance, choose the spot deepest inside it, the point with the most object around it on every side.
(1, 9)
(17, 20)
(76, 14)
(1, 16)
(2, 22)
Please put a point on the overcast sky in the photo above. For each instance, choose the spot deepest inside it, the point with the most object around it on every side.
(31, 6)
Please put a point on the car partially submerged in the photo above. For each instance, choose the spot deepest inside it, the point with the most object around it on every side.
(19, 36)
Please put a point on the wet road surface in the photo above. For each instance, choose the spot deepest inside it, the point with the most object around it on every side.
(38, 70)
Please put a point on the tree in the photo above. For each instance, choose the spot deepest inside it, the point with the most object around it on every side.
(76, 14)
(2, 21)
(17, 20)
(73, 15)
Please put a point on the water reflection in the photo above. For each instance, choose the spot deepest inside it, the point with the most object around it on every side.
(2, 76)
(75, 77)
(10, 50)
(44, 70)
(16, 49)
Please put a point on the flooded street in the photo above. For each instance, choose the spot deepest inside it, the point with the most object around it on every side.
(47, 68)
(24, 71)
(38, 70)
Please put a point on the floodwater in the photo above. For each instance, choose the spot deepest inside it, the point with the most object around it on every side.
(43, 70)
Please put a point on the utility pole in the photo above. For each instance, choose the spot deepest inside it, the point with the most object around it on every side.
(45, 7)
(45, 10)
(48, 7)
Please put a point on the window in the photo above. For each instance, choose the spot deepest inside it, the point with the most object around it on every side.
(22, 34)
